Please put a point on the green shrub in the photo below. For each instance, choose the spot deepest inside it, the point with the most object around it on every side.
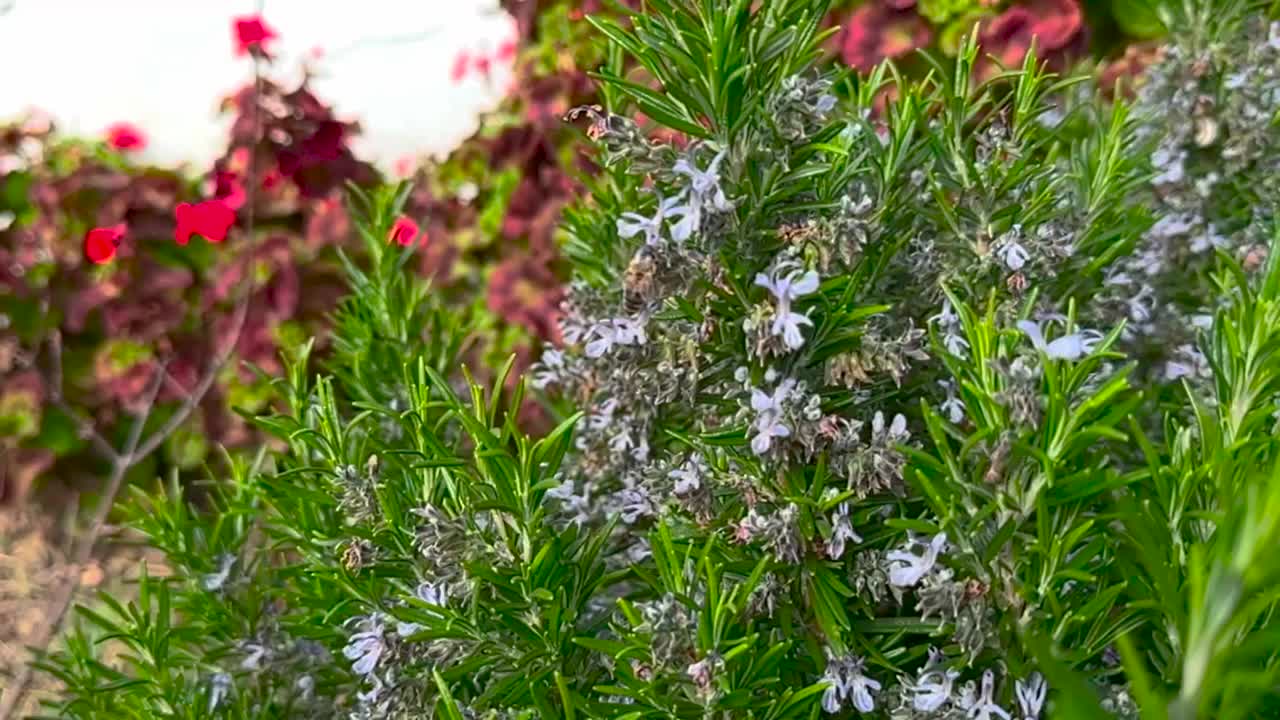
(856, 415)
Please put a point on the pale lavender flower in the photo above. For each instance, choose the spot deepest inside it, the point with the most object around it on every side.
(949, 324)
(1012, 254)
(219, 688)
(845, 681)
(254, 652)
(983, 707)
(631, 224)
(688, 476)
(306, 686)
(908, 566)
(703, 192)
(1031, 695)
(702, 672)
(614, 332)
(1190, 362)
(550, 368)
(630, 442)
(370, 696)
(841, 532)
(896, 432)
(215, 580)
(405, 629)
(436, 593)
(934, 686)
(634, 503)
(769, 419)
(788, 284)
(366, 647)
(1068, 347)
(953, 406)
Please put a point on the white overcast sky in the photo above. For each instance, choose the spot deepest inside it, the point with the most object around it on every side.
(163, 65)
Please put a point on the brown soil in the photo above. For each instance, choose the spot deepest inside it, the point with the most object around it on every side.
(34, 549)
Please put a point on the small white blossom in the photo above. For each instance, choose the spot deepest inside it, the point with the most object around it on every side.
(769, 419)
(1068, 347)
(983, 707)
(953, 406)
(254, 652)
(1190, 362)
(845, 681)
(219, 688)
(897, 430)
(704, 192)
(366, 647)
(215, 580)
(907, 566)
(614, 332)
(933, 688)
(688, 476)
(949, 324)
(1031, 695)
(550, 368)
(788, 284)
(434, 593)
(1013, 255)
(306, 686)
(841, 532)
(632, 224)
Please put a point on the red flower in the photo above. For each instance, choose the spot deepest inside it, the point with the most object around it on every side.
(506, 51)
(228, 189)
(126, 137)
(100, 243)
(482, 64)
(404, 165)
(252, 34)
(211, 218)
(460, 64)
(403, 231)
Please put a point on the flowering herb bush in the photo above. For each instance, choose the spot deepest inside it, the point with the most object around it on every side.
(856, 417)
(81, 224)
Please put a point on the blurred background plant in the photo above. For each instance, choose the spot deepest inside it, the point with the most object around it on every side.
(486, 215)
(1117, 33)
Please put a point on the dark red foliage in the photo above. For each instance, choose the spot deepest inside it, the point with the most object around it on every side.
(882, 29)
(301, 141)
(1056, 27)
(524, 290)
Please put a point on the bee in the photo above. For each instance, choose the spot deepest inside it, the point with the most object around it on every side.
(798, 233)
(356, 555)
(599, 120)
(1017, 283)
(1255, 258)
(974, 589)
(638, 281)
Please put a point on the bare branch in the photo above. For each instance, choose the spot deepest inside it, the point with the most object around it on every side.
(136, 448)
(84, 426)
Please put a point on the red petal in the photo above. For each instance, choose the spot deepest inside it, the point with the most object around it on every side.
(251, 33)
(100, 243)
(460, 64)
(126, 137)
(403, 231)
(185, 215)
